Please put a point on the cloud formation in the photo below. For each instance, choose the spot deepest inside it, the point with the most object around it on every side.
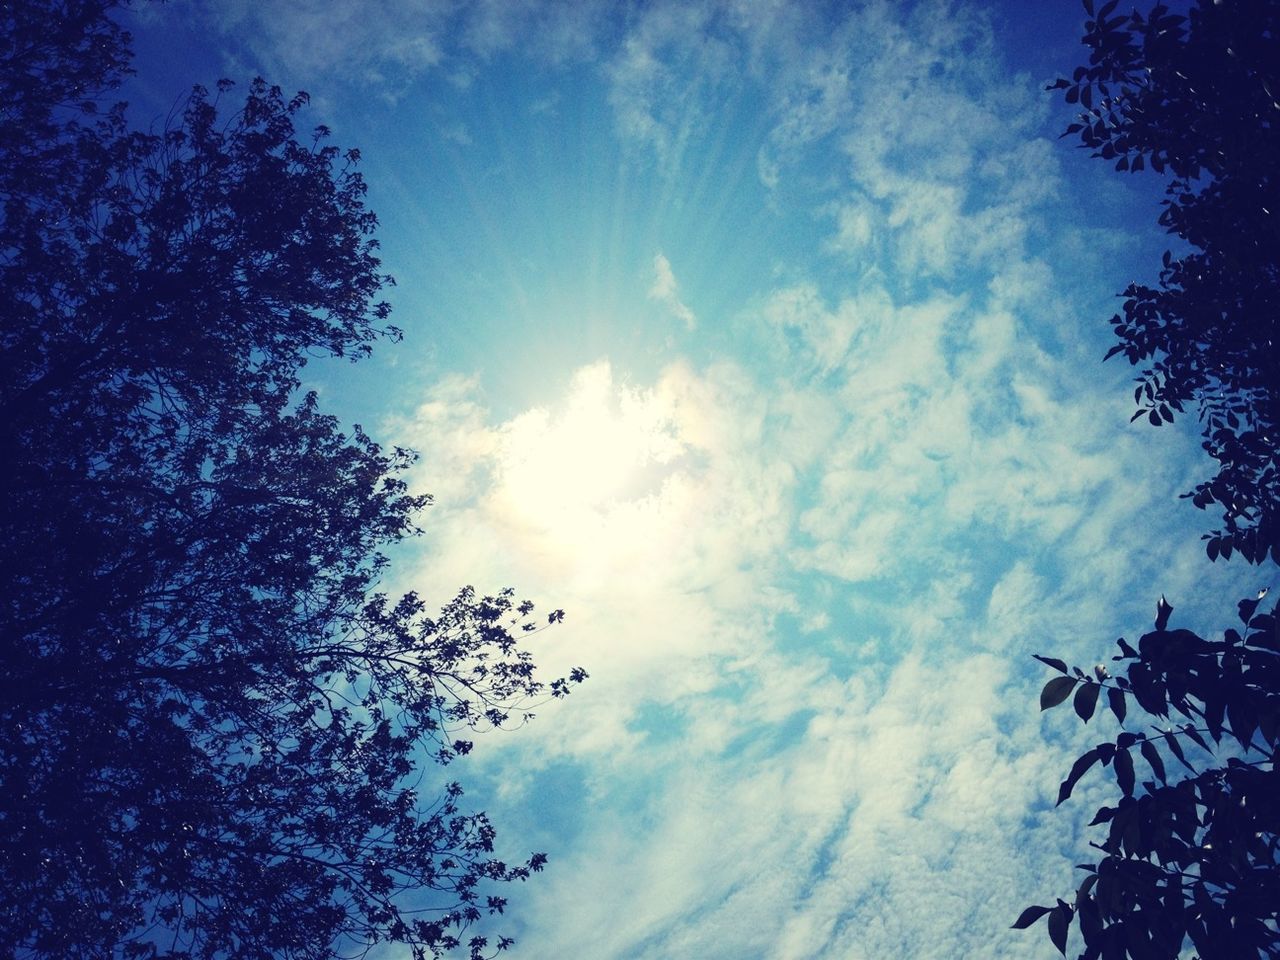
(665, 291)
(806, 556)
(807, 576)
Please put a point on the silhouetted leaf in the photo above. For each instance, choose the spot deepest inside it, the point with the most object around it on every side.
(1152, 756)
(1242, 719)
(1214, 708)
(1263, 632)
(1028, 917)
(1123, 766)
(1194, 735)
(1162, 613)
(1078, 770)
(1055, 691)
(1115, 698)
(1059, 918)
(1054, 662)
(1176, 749)
(1086, 700)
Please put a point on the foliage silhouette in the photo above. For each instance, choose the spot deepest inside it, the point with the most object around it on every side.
(1192, 857)
(1196, 97)
(212, 722)
(1189, 855)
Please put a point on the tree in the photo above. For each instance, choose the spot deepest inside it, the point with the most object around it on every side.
(1186, 855)
(1192, 857)
(1196, 98)
(213, 722)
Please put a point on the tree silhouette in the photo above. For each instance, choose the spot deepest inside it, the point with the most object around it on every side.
(1192, 857)
(1196, 97)
(212, 724)
(1186, 855)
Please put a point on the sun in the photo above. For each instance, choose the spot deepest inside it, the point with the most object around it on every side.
(603, 445)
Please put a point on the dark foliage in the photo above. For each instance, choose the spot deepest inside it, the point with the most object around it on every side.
(1191, 855)
(211, 722)
(1197, 99)
(1193, 851)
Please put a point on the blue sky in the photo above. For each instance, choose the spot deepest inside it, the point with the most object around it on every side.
(764, 338)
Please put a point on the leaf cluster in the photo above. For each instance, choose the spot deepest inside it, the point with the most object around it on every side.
(1196, 98)
(1191, 852)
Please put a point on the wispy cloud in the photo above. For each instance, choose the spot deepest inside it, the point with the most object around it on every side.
(385, 46)
(365, 41)
(666, 291)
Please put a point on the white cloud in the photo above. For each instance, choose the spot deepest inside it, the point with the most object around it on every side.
(647, 512)
(666, 291)
(369, 42)
(457, 133)
(555, 30)
(388, 45)
(671, 76)
(856, 220)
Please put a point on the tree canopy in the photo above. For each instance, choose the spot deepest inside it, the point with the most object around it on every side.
(1197, 98)
(213, 723)
(1193, 853)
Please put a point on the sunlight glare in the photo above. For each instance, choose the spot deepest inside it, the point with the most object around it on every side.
(603, 446)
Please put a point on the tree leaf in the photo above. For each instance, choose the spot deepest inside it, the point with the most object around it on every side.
(1059, 919)
(1056, 690)
(1191, 732)
(1078, 770)
(1028, 917)
(1152, 756)
(1103, 815)
(1175, 748)
(1214, 707)
(1054, 662)
(1243, 722)
(1162, 613)
(1086, 700)
(1123, 766)
(1115, 697)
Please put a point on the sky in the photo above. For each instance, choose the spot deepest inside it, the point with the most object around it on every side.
(764, 338)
